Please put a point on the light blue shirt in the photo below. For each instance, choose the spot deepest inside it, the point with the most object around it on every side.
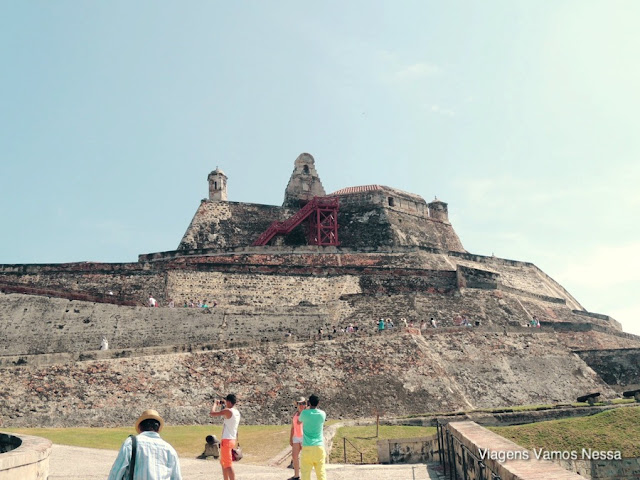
(155, 459)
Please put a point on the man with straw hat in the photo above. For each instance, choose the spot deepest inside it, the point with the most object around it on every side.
(154, 458)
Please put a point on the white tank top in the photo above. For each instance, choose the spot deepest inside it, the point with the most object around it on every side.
(230, 425)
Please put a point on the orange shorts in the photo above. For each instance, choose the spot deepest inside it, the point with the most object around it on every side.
(225, 453)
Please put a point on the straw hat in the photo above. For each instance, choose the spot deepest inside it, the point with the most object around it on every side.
(149, 414)
(300, 400)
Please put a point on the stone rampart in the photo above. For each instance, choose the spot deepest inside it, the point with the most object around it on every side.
(38, 325)
(129, 283)
(228, 224)
(399, 374)
(267, 307)
(619, 367)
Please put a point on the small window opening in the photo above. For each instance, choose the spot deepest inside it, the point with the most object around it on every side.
(391, 202)
(215, 185)
(305, 169)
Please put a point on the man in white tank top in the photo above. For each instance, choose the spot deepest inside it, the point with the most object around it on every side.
(231, 420)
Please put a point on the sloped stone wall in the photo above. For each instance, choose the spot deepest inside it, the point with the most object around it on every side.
(228, 224)
(616, 367)
(399, 374)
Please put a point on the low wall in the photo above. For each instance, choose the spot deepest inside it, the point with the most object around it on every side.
(408, 450)
(476, 451)
(624, 469)
(27, 461)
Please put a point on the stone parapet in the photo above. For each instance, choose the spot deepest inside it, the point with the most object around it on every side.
(472, 442)
(29, 460)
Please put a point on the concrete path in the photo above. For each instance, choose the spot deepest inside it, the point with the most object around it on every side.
(77, 463)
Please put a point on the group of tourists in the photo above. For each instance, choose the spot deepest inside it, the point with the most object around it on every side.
(147, 456)
(152, 302)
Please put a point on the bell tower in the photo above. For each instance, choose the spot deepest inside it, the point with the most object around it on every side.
(217, 186)
(304, 183)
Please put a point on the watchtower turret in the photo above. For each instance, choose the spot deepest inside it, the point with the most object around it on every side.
(304, 183)
(217, 186)
(438, 210)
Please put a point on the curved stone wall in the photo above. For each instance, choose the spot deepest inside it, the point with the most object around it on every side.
(27, 457)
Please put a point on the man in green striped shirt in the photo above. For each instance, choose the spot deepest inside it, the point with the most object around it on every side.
(313, 455)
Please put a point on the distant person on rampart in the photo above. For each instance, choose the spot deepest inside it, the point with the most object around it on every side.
(211, 448)
(152, 301)
(381, 325)
(434, 324)
(295, 437)
(171, 303)
(231, 419)
(154, 458)
(104, 345)
(313, 454)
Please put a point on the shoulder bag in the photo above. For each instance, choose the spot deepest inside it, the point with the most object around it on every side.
(131, 468)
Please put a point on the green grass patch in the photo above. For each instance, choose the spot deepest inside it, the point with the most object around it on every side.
(365, 440)
(259, 442)
(615, 429)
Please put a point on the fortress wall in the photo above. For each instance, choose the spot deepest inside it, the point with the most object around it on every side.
(476, 305)
(228, 224)
(590, 338)
(310, 257)
(132, 282)
(402, 201)
(518, 275)
(257, 290)
(560, 316)
(398, 374)
(33, 325)
(409, 229)
(616, 367)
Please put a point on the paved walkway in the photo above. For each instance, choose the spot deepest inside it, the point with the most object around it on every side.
(77, 463)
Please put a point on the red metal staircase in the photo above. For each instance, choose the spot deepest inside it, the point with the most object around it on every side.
(322, 228)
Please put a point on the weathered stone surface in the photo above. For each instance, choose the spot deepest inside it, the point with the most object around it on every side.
(619, 368)
(400, 374)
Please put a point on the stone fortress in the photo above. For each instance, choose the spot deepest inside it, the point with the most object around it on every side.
(279, 275)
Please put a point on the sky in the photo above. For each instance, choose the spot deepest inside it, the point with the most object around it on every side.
(521, 115)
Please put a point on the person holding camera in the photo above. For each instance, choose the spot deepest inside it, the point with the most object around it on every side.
(295, 437)
(226, 408)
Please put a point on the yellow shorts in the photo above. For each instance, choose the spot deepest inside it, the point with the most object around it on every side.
(225, 453)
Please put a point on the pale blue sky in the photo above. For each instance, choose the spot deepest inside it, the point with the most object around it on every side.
(522, 115)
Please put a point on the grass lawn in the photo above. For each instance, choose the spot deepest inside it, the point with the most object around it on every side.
(617, 429)
(259, 442)
(364, 438)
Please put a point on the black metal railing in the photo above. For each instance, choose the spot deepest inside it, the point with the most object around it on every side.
(344, 449)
